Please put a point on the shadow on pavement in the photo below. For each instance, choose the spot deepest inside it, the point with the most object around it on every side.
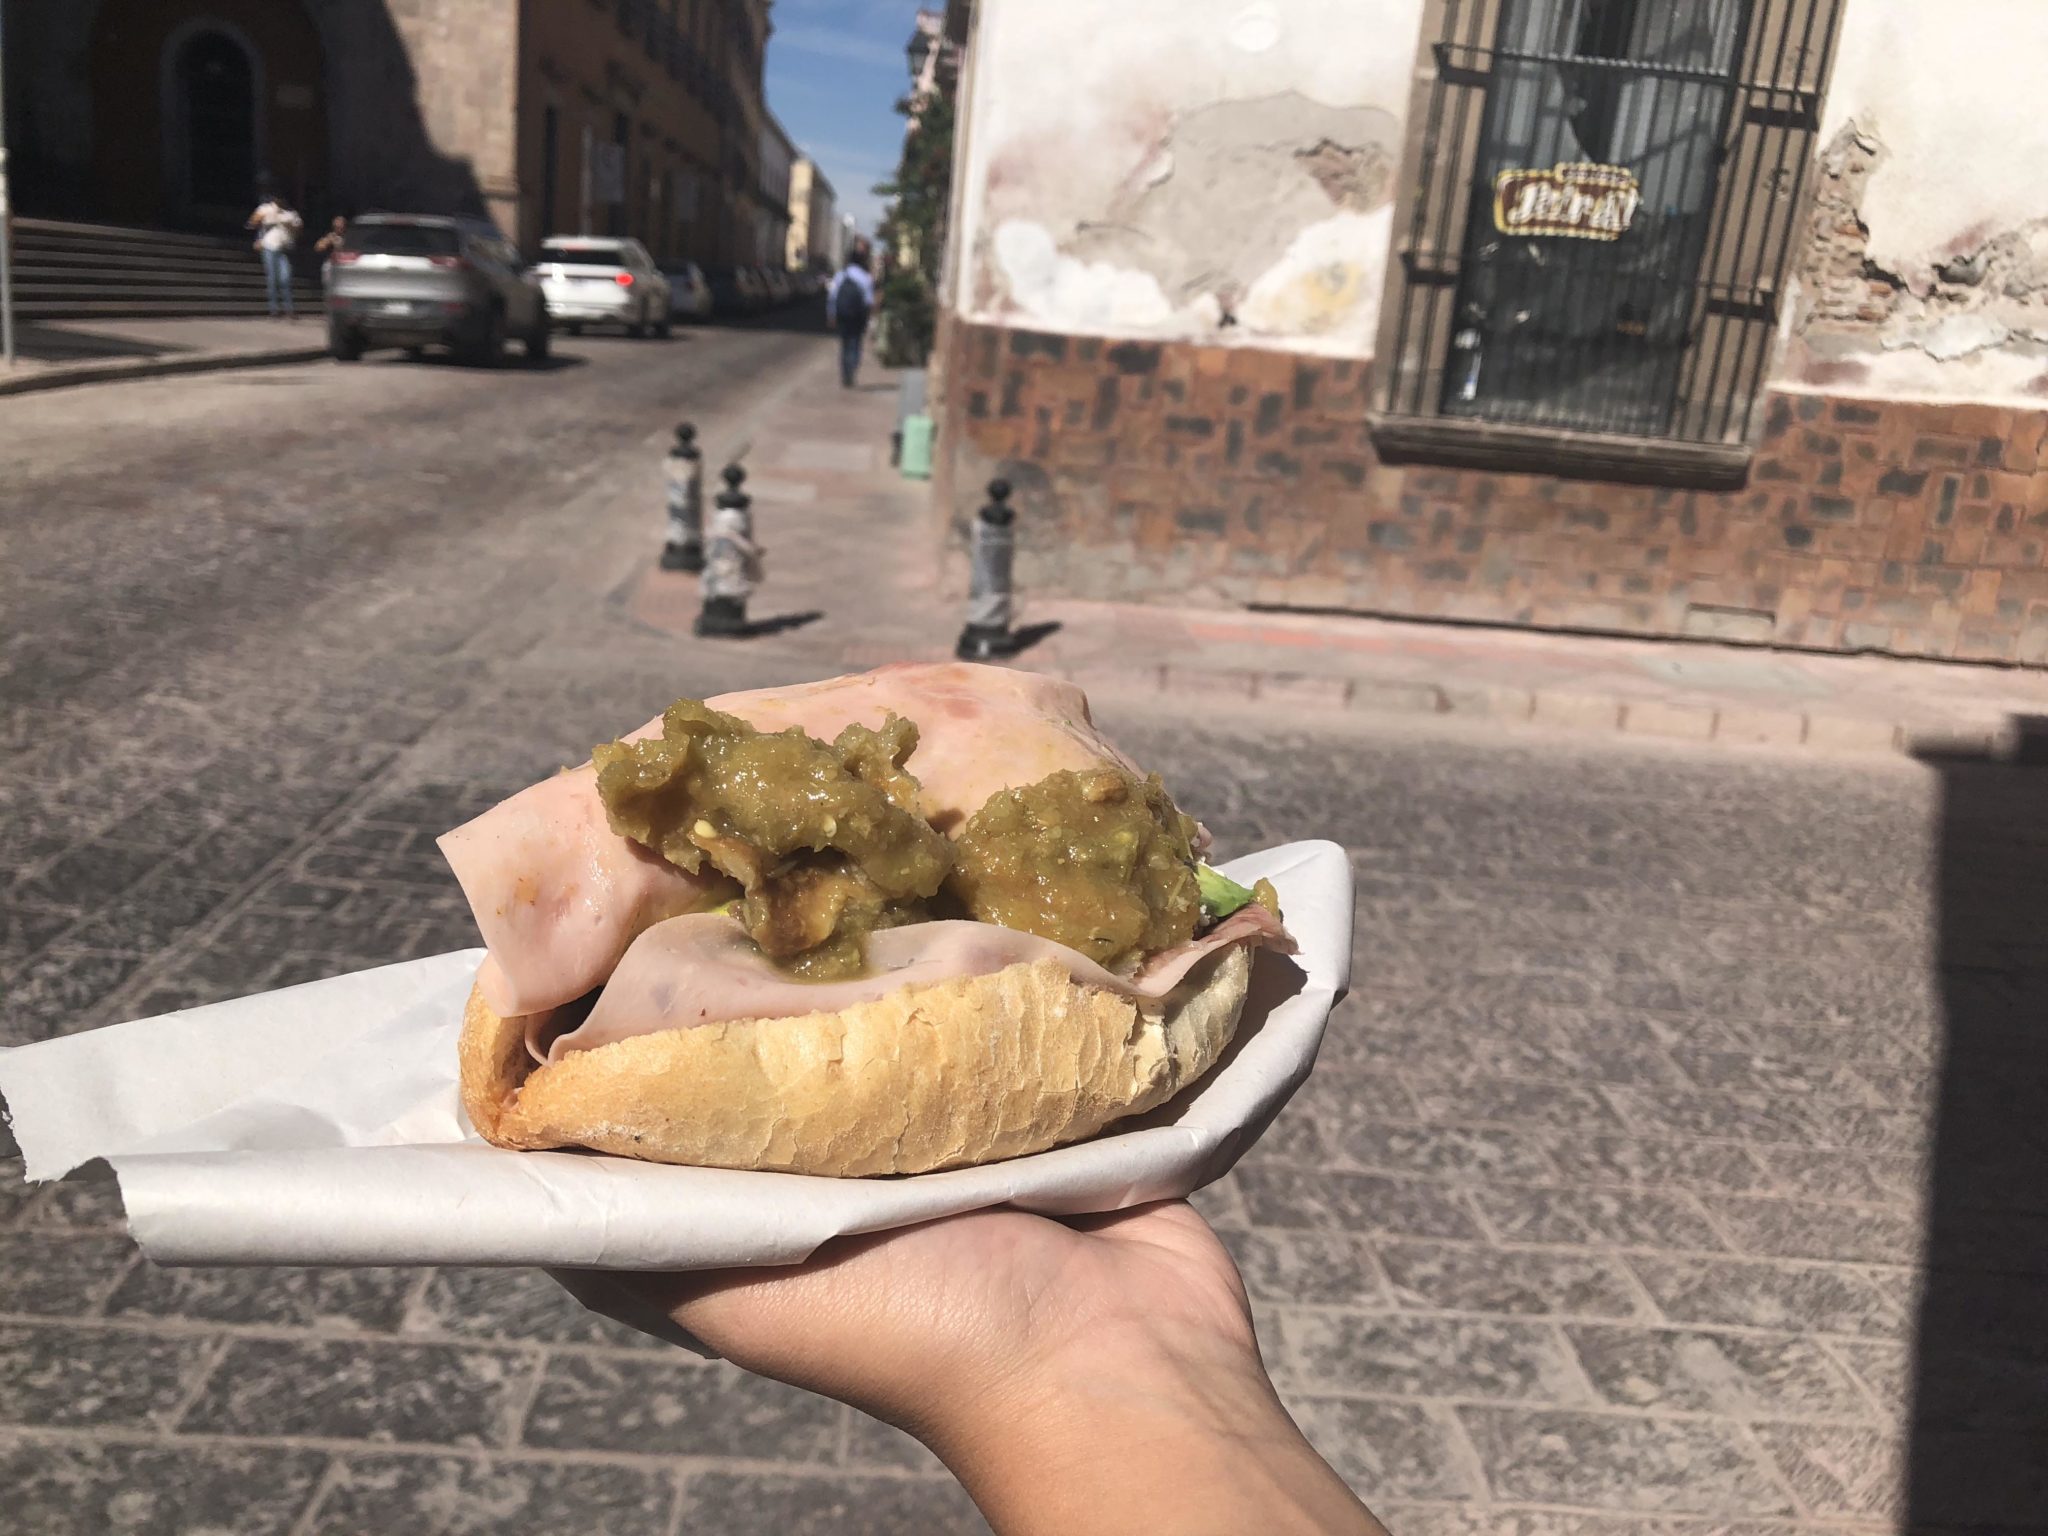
(39, 342)
(1978, 1454)
(807, 318)
(554, 362)
(781, 623)
(1026, 636)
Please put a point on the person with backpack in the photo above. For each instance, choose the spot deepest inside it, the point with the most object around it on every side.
(849, 304)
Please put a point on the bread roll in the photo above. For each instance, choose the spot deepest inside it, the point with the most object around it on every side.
(959, 1072)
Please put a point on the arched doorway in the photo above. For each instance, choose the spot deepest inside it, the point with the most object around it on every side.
(191, 102)
(213, 113)
(212, 125)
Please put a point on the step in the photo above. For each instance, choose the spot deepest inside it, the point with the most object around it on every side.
(143, 310)
(31, 229)
(75, 282)
(138, 261)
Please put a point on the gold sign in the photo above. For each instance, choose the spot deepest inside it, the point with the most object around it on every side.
(1577, 201)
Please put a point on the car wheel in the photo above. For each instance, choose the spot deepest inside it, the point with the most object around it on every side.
(664, 326)
(488, 351)
(415, 354)
(575, 327)
(537, 343)
(344, 346)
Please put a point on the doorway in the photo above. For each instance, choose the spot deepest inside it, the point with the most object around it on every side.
(213, 122)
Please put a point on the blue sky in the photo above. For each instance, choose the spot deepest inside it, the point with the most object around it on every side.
(836, 69)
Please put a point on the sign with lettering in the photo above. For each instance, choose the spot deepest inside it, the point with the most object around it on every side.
(1578, 201)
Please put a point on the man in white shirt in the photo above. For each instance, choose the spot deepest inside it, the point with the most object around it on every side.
(277, 225)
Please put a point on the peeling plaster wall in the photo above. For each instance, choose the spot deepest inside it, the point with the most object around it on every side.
(1218, 170)
(1926, 271)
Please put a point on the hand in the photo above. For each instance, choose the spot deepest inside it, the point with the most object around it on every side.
(1093, 1375)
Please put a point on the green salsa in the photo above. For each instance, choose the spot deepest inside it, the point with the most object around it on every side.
(825, 841)
(826, 844)
(1097, 860)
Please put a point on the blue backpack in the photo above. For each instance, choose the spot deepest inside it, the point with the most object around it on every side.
(849, 304)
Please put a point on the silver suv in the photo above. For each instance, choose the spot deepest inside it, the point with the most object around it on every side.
(603, 280)
(414, 281)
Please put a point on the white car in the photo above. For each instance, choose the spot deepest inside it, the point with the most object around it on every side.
(689, 295)
(603, 280)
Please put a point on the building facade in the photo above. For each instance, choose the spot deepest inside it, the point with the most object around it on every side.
(816, 241)
(1714, 318)
(640, 117)
(770, 212)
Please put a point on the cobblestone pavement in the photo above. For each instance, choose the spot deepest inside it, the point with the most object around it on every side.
(1609, 1208)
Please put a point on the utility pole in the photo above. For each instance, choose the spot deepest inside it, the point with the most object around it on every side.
(6, 217)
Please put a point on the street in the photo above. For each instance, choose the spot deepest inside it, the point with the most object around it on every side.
(1605, 1210)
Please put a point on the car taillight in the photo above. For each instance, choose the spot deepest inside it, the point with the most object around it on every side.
(454, 262)
(624, 279)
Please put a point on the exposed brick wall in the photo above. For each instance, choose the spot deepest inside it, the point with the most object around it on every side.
(1234, 475)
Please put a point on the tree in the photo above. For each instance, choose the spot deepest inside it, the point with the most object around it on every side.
(913, 231)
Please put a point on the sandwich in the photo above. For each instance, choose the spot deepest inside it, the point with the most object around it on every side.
(916, 919)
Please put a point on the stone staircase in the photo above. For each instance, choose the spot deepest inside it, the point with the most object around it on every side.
(101, 272)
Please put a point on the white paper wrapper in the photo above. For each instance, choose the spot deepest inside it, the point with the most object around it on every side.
(321, 1125)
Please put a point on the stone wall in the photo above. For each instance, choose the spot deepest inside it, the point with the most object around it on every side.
(1175, 471)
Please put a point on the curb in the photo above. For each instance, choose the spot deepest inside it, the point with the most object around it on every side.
(1605, 714)
(1746, 726)
(154, 367)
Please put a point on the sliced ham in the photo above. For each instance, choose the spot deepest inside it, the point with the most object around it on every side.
(705, 970)
(558, 896)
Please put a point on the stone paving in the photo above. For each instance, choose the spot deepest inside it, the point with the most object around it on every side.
(1678, 1094)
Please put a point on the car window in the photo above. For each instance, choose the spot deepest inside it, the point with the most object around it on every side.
(583, 255)
(401, 240)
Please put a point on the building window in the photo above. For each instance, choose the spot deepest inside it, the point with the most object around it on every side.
(550, 169)
(1595, 236)
(622, 136)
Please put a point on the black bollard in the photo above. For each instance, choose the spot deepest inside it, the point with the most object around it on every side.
(988, 636)
(683, 550)
(733, 562)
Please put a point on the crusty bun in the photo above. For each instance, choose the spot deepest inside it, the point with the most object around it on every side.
(940, 1076)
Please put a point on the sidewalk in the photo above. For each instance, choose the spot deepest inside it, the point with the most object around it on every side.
(53, 354)
(854, 577)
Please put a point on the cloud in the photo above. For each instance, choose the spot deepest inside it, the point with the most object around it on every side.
(848, 47)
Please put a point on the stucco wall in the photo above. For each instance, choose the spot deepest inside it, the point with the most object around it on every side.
(1928, 269)
(1195, 169)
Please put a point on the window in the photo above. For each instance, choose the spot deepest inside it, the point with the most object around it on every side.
(1595, 238)
(550, 167)
(372, 239)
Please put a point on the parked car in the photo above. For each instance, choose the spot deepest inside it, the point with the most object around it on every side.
(776, 280)
(420, 280)
(600, 280)
(734, 290)
(689, 295)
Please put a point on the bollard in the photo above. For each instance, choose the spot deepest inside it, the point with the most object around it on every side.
(988, 636)
(683, 550)
(733, 562)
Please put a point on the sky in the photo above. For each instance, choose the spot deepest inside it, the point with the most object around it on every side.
(836, 69)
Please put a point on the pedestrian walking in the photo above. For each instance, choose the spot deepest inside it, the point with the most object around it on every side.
(850, 303)
(277, 225)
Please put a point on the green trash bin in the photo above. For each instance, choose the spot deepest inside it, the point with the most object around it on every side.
(917, 447)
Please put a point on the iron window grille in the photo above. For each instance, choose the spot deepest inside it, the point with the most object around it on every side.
(1599, 207)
